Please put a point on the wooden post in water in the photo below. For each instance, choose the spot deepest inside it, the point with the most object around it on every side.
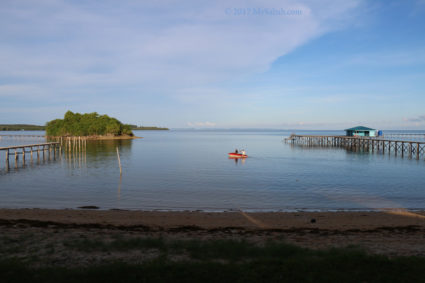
(16, 158)
(7, 160)
(417, 151)
(119, 161)
(402, 149)
(23, 156)
(395, 147)
(7, 157)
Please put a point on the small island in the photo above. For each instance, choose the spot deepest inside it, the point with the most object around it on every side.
(90, 125)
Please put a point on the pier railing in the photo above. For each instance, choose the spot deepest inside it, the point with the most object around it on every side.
(412, 149)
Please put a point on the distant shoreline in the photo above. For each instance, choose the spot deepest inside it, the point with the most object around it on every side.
(114, 138)
(29, 127)
(149, 129)
(20, 127)
(106, 137)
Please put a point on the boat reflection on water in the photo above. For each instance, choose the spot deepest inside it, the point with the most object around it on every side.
(238, 159)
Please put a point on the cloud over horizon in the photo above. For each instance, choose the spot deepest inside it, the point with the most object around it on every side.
(416, 119)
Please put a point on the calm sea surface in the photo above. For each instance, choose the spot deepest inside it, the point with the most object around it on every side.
(190, 170)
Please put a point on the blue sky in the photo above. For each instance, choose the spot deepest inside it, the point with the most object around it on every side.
(206, 64)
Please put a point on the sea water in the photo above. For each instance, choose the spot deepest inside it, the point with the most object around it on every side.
(190, 170)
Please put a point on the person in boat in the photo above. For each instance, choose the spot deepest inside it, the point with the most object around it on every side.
(243, 152)
(236, 151)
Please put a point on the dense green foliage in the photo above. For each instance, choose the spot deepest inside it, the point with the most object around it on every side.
(20, 127)
(89, 124)
(222, 261)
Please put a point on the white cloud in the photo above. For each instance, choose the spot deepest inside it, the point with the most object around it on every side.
(77, 50)
(179, 44)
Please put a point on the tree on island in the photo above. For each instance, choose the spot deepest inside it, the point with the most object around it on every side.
(89, 124)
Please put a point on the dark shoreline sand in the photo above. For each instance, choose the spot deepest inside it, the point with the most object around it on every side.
(392, 233)
(163, 220)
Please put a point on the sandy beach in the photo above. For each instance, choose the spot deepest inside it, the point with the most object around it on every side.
(255, 221)
(392, 233)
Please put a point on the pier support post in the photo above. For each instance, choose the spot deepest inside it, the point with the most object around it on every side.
(417, 151)
(414, 149)
(16, 158)
(402, 149)
(7, 160)
(395, 148)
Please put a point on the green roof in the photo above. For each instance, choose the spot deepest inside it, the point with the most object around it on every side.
(360, 128)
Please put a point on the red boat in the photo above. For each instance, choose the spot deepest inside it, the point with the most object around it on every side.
(237, 155)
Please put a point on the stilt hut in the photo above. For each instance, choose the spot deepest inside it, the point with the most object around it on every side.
(361, 131)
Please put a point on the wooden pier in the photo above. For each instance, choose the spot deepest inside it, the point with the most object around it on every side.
(50, 148)
(411, 149)
(73, 149)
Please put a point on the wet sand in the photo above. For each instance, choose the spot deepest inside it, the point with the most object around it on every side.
(392, 233)
(159, 220)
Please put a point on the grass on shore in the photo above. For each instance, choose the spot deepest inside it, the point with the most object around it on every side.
(222, 261)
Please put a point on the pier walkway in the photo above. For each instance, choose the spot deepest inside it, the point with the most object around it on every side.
(411, 149)
(50, 147)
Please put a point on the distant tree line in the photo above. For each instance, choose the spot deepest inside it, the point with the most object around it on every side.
(135, 127)
(89, 124)
(20, 127)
